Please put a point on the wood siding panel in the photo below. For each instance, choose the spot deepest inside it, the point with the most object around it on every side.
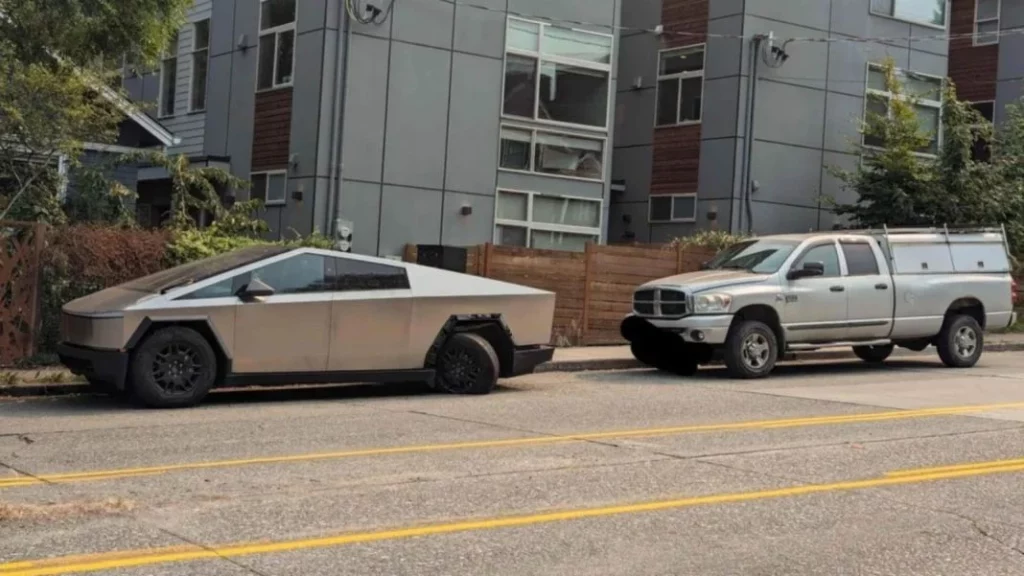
(272, 124)
(972, 68)
(676, 159)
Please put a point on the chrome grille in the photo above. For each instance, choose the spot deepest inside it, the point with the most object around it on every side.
(660, 302)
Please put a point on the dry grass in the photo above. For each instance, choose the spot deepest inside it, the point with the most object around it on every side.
(8, 379)
(10, 512)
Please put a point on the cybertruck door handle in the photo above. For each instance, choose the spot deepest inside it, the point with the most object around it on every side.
(881, 286)
(837, 288)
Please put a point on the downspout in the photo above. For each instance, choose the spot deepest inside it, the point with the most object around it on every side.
(745, 202)
(338, 117)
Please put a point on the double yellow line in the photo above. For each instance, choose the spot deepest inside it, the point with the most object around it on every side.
(167, 555)
(120, 473)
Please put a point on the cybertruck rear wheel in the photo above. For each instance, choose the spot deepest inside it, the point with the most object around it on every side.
(467, 364)
(174, 367)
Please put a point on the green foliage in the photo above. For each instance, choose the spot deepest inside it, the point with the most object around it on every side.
(714, 239)
(98, 199)
(85, 32)
(896, 185)
(46, 111)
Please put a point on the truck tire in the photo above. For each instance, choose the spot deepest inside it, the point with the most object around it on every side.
(174, 367)
(467, 365)
(873, 354)
(751, 350)
(960, 342)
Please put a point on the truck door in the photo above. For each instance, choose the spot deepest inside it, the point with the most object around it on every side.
(815, 306)
(870, 290)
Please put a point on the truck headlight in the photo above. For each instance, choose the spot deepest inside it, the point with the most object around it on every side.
(711, 303)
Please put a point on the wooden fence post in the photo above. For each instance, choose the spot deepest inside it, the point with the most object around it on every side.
(485, 267)
(588, 274)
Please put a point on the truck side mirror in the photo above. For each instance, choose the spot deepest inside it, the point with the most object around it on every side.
(809, 269)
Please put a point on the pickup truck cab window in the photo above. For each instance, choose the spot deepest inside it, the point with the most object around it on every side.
(824, 253)
(860, 259)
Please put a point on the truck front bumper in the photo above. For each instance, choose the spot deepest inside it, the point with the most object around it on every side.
(696, 329)
(100, 365)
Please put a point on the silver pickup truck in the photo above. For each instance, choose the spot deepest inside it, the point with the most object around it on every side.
(872, 290)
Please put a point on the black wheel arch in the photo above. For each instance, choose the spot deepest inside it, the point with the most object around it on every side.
(490, 327)
(765, 314)
(200, 325)
(970, 306)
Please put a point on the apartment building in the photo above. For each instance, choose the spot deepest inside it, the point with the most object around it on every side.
(986, 54)
(415, 121)
(689, 154)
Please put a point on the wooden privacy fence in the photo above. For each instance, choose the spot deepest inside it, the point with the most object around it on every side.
(21, 246)
(594, 288)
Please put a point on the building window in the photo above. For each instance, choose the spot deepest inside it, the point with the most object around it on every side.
(200, 65)
(536, 220)
(551, 153)
(277, 44)
(926, 12)
(672, 208)
(269, 187)
(981, 152)
(927, 90)
(169, 78)
(986, 22)
(557, 74)
(680, 86)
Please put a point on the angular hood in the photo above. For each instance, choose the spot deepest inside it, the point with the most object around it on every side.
(108, 302)
(708, 279)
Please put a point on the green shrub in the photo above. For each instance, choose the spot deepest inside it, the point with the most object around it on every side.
(712, 239)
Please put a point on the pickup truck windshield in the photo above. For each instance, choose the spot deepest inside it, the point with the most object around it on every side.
(757, 256)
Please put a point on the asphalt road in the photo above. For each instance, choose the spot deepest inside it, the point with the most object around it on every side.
(839, 468)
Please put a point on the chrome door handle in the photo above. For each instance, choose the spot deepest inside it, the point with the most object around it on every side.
(881, 286)
(837, 288)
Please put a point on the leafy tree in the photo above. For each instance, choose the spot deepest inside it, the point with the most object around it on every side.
(898, 186)
(56, 60)
(46, 112)
(87, 33)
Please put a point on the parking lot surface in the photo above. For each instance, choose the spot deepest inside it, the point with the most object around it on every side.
(832, 468)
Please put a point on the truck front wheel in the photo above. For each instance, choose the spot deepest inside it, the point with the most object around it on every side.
(751, 350)
(960, 341)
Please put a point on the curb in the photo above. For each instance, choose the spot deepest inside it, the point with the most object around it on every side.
(593, 365)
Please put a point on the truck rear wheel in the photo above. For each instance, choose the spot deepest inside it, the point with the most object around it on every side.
(960, 342)
(467, 364)
(873, 354)
(751, 350)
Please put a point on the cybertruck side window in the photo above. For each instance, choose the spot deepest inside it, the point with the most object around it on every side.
(224, 289)
(348, 275)
(300, 274)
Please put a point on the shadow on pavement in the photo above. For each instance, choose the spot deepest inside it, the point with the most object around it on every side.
(823, 370)
(95, 404)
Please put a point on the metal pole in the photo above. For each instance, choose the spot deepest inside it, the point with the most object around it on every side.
(338, 117)
(745, 203)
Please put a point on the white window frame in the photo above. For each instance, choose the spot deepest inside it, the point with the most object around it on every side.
(529, 225)
(533, 143)
(892, 15)
(276, 31)
(164, 59)
(999, 10)
(192, 63)
(672, 208)
(541, 57)
(936, 104)
(679, 77)
(266, 197)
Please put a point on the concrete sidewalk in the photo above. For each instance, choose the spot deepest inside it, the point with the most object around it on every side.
(57, 381)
